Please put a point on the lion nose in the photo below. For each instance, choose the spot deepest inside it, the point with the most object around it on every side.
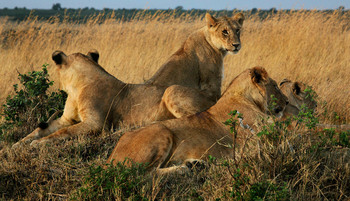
(236, 45)
(278, 109)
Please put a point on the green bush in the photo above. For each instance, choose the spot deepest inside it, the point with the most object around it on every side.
(30, 104)
(307, 117)
(266, 190)
(113, 182)
(330, 138)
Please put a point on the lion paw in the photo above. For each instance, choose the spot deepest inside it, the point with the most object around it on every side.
(35, 143)
(17, 145)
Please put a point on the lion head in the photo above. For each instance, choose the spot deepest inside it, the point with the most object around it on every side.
(298, 95)
(67, 66)
(274, 100)
(255, 87)
(258, 88)
(225, 32)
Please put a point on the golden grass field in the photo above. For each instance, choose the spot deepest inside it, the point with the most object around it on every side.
(311, 47)
(307, 46)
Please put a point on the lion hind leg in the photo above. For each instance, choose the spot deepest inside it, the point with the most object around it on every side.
(337, 128)
(151, 145)
(185, 168)
(182, 101)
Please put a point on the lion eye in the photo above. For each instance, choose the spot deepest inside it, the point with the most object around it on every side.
(225, 32)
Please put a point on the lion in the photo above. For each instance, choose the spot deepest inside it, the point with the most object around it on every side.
(198, 63)
(168, 146)
(298, 97)
(97, 100)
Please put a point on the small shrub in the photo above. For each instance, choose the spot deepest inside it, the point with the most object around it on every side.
(329, 138)
(113, 182)
(244, 185)
(266, 190)
(239, 185)
(30, 104)
(307, 117)
(310, 93)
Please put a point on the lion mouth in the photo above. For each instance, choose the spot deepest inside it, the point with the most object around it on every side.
(235, 51)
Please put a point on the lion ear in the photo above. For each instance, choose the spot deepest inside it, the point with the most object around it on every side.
(285, 80)
(239, 18)
(211, 21)
(296, 87)
(258, 74)
(59, 57)
(94, 55)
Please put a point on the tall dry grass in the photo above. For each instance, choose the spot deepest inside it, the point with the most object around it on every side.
(312, 47)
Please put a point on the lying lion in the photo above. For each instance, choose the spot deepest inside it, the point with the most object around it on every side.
(193, 138)
(298, 98)
(198, 64)
(97, 100)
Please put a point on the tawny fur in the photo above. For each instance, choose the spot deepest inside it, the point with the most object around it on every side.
(198, 64)
(173, 142)
(297, 97)
(97, 100)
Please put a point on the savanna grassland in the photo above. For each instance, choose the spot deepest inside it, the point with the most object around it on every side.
(307, 46)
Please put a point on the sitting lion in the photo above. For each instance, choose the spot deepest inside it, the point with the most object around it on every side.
(97, 100)
(193, 138)
(198, 64)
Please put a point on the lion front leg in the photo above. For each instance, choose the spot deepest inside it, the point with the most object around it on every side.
(43, 130)
(81, 128)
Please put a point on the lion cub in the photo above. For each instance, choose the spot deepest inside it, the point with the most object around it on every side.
(198, 63)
